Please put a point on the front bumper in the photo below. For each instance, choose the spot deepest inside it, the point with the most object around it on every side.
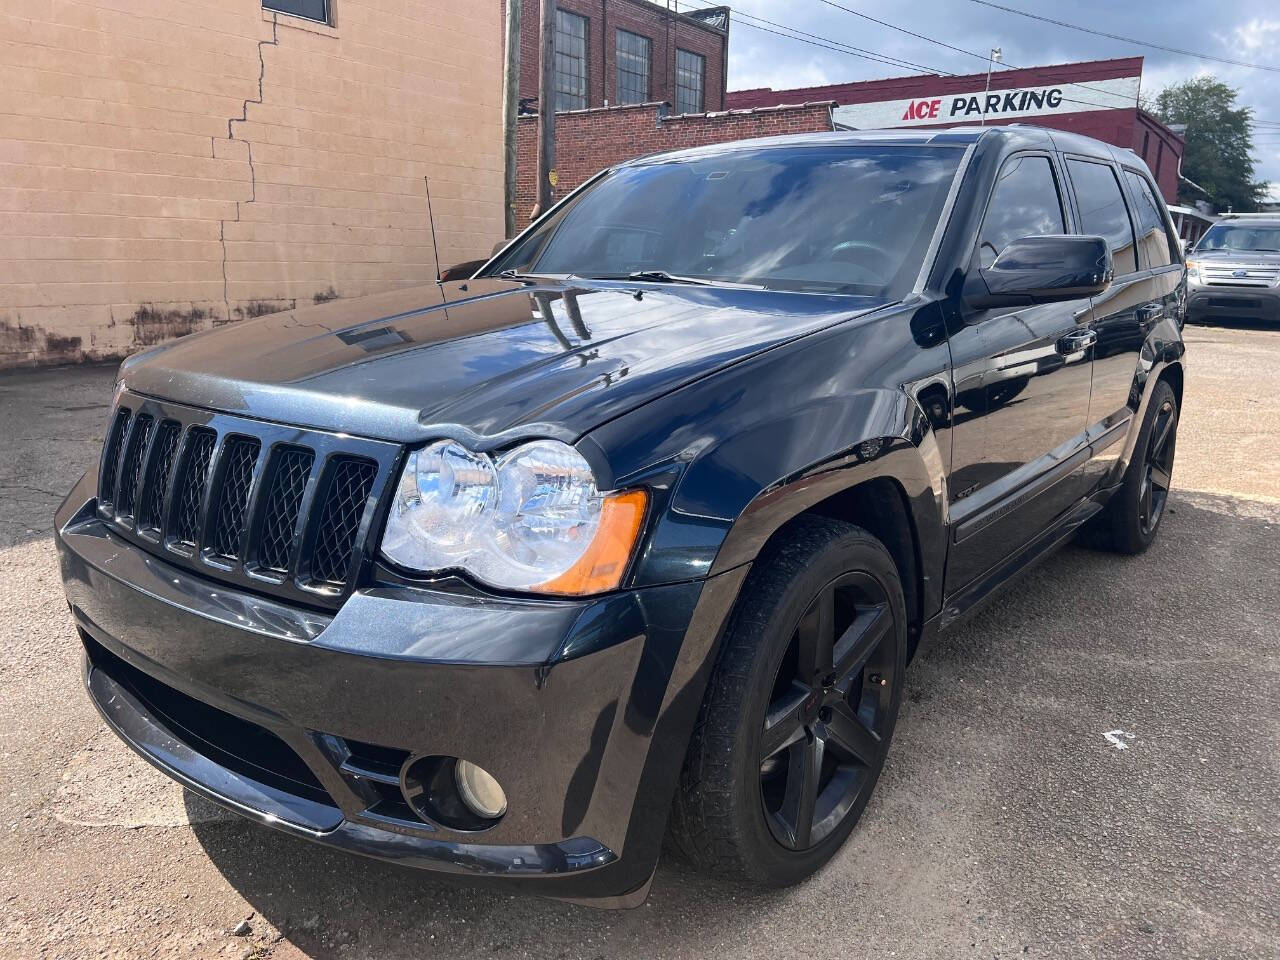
(1209, 301)
(297, 719)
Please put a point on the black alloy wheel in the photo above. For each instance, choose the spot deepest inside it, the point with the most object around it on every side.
(799, 711)
(829, 713)
(1158, 467)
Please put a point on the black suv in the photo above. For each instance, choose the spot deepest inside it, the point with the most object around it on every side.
(633, 533)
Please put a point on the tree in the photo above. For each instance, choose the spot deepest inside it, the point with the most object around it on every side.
(1219, 142)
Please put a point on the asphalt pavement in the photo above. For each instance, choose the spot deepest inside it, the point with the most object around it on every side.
(1088, 768)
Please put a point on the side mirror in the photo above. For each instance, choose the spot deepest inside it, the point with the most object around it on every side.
(1043, 269)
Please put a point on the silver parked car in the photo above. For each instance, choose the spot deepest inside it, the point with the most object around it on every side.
(1234, 271)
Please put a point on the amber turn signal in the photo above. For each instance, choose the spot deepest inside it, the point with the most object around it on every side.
(605, 561)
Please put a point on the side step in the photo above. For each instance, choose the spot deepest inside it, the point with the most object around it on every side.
(964, 601)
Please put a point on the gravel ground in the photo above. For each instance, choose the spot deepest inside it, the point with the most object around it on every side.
(1006, 824)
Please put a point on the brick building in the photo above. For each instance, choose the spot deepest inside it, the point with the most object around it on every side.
(617, 52)
(1098, 98)
(171, 165)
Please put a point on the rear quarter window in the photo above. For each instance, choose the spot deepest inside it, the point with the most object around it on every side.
(1103, 212)
(1153, 234)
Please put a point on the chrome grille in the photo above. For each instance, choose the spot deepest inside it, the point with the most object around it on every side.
(1229, 276)
(280, 510)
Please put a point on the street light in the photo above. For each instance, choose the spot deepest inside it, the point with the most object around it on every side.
(991, 62)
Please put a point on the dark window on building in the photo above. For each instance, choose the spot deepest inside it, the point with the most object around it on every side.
(691, 71)
(311, 9)
(633, 58)
(571, 61)
(1103, 212)
(1153, 234)
(1025, 203)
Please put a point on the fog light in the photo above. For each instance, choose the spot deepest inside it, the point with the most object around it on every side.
(479, 791)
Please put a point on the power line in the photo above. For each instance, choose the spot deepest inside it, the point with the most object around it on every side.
(972, 53)
(831, 44)
(1116, 36)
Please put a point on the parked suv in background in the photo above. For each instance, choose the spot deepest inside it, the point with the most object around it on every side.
(637, 528)
(1234, 271)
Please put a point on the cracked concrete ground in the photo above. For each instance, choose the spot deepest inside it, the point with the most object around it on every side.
(1006, 824)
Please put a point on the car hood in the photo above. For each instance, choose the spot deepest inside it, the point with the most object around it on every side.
(1243, 258)
(489, 358)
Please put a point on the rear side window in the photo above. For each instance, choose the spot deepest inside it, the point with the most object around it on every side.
(1025, 203)
(1102, 211)
(1148, 216)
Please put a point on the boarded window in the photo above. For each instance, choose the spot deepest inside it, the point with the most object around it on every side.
(317, 10)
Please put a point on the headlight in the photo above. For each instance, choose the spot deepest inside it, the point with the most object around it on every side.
(532, 520)
(1193, 270)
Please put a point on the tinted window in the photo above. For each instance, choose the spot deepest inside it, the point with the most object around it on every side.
(1102, 211)
(1153, 238)
(1025, 203)
(843, 219)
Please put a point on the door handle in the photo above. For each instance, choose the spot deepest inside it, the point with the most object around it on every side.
(1149, 312)
(1076, 341)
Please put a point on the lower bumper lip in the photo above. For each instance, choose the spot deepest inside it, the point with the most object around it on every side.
(584, 725)
(151, 739)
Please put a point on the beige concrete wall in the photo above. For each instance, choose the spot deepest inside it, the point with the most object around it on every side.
(169, 165)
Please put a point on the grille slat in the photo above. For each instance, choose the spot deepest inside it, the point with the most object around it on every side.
(288, 483)
(189, 495)
(277, 510)
(346, 494)
(111, 456)
(232, 500)
(131, 472)
(151, 511)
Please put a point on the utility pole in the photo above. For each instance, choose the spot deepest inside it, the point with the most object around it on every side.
(546, 109)
(995, 58)
(510, 107)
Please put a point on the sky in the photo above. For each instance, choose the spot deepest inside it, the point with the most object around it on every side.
(1243, 30)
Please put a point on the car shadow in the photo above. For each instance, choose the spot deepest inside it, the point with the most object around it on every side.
(1018, 694)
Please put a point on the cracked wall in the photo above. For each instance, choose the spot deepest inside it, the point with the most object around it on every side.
(170, 167)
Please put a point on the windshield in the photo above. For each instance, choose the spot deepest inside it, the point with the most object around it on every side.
(851, 219)
(1264, 239)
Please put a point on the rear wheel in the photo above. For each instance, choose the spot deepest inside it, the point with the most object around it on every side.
(1132, 518)
(800, 708)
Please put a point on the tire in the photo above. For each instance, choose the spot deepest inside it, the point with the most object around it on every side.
(1132, 518)
(740, 807)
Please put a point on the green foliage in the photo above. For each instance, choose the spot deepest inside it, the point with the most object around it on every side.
(1219, 143)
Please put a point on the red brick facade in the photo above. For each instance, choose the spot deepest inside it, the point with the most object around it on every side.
(666, 34)
(590, 140)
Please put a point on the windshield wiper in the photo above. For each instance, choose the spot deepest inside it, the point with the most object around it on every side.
(656, 276)
(517, 275)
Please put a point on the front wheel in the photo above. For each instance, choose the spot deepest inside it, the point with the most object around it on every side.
(799, 710)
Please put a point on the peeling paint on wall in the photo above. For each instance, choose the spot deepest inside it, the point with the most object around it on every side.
(21, 345)
(152, 325)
